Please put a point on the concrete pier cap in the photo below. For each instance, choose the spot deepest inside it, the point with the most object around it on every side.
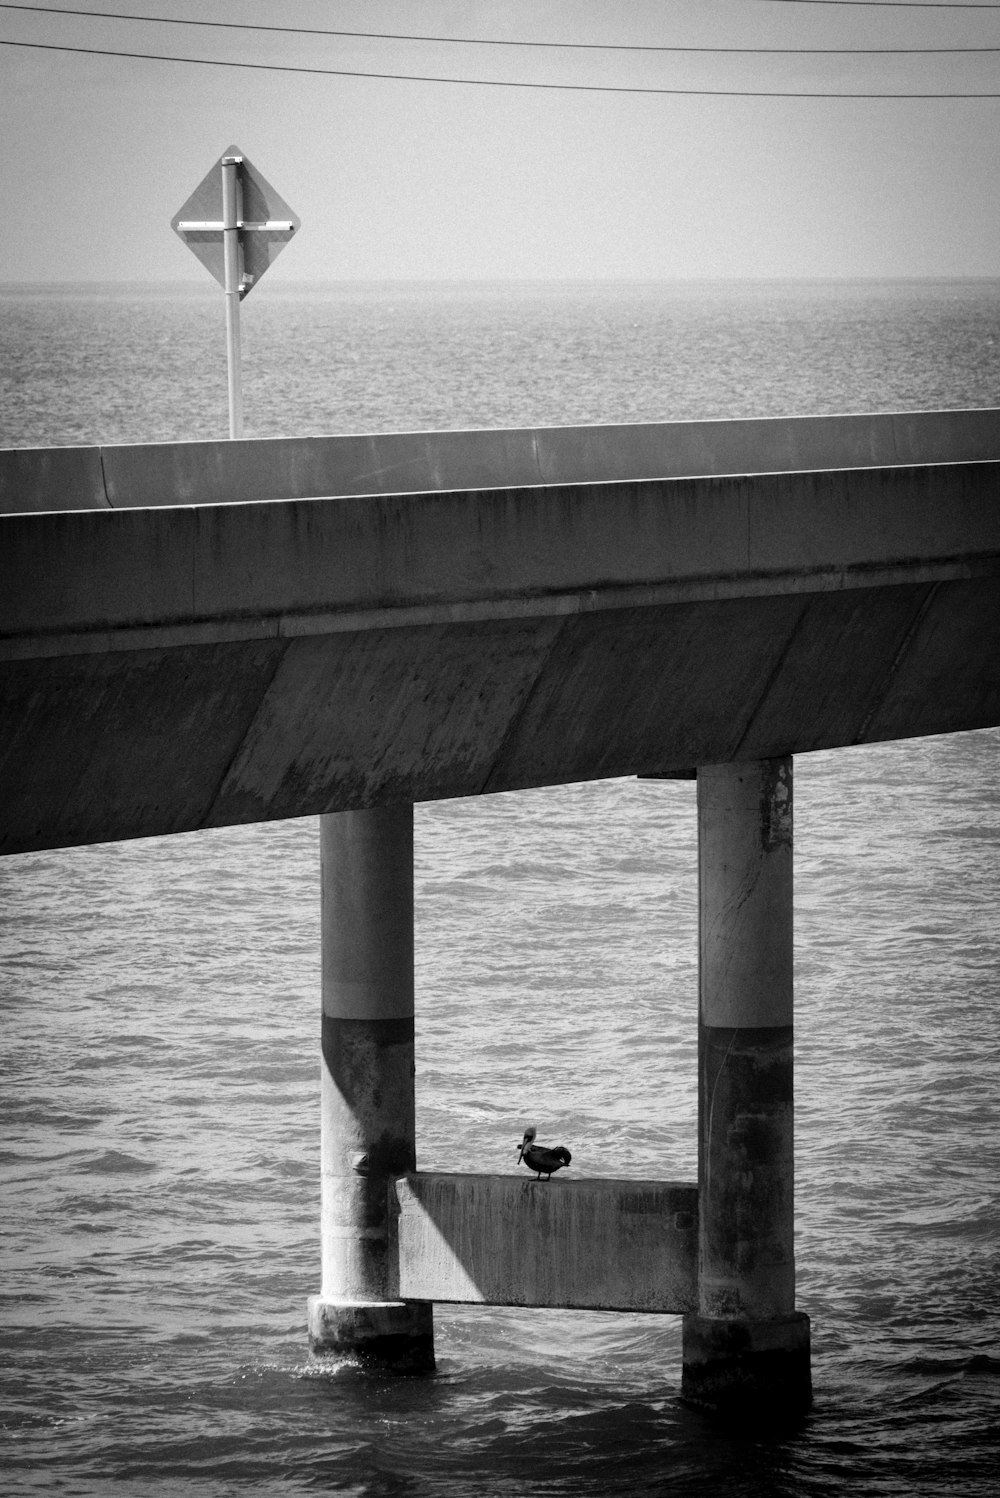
(395, 1336)
(753, 1371)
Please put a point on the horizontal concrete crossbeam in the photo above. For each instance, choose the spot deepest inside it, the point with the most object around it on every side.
(607, 1245)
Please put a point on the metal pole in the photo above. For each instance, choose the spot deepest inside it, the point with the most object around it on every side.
(231, 215)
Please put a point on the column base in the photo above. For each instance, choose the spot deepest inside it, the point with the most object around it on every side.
(392, 1336)
(755, 1369)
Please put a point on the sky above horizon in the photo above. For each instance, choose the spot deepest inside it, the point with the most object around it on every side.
(397, 179)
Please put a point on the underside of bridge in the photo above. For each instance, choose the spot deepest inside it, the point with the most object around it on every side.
(126, 743)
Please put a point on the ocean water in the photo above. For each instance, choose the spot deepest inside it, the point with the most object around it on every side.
(159, 1150)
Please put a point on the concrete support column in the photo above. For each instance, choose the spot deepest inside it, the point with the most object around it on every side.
(368, 1128)
(747, 1349)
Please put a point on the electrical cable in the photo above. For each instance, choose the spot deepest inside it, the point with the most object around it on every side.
(476, 41)
(585, 88)
(897, 4)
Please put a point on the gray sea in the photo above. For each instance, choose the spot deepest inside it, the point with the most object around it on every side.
(160, 999)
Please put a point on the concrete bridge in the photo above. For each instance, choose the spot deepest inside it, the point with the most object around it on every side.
(196, 635)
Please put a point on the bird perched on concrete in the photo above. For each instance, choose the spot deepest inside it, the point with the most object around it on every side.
(539, 1157)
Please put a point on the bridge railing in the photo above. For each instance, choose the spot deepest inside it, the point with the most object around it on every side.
(150, 475)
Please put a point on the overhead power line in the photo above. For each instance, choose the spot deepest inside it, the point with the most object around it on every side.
(896, 4)
(482, 41)
(585, 88)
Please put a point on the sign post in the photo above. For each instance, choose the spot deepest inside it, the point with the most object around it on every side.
(231, 216)
(236, 224)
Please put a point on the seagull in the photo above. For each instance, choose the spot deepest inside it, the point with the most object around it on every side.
(539, 1157)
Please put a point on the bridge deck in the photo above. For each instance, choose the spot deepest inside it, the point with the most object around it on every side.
(170, 664)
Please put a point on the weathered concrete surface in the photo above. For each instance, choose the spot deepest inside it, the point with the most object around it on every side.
(163, 670)
(98, 580)
(368, 1130)
(745, 817)
(385, 1336)
(746, 1347)
(176, 473)
(753, 1372)
(511, 1240)
(746, 1248)
(51, 478)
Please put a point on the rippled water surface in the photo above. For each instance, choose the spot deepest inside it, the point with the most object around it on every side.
(159, 999)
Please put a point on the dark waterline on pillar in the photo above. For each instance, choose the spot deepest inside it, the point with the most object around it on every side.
(746, 1353)
(368, 1100)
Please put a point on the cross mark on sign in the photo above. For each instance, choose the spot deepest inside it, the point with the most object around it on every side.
(254, 213)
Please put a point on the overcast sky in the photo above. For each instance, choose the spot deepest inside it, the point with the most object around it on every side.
(396, 179)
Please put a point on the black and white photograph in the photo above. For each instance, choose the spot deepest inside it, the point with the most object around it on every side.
(500, 749)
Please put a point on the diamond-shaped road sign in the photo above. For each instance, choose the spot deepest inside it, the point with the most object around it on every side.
(264, 220)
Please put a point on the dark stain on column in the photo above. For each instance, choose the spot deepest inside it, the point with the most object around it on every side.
(370, 1062)
(746, 1093)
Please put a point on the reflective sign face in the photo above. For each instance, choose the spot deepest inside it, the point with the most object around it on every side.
(264, 219)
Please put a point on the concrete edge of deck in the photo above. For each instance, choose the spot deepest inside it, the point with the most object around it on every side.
(579, 1244)
(556, 550)
(151, 475)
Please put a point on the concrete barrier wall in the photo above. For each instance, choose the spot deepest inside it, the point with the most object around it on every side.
(514, 1241)
(182, 473)
(51, 478)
